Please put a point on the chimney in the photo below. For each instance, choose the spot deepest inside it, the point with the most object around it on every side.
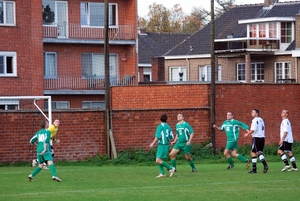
(143, 31)
(270, 2)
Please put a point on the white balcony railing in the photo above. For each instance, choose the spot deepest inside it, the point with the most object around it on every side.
(80, 83)
(120, 32)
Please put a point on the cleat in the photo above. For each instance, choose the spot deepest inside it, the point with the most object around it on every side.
(230, 167)
(293, 169)
(194, 170)
(34, 163)
(56, 179)
(252, 172)
(172, 171)
(160, 176)
(248, 164)
(30, 177)
(265, 169)
(285, 168)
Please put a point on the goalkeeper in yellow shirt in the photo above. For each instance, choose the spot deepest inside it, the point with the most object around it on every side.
(53, 129)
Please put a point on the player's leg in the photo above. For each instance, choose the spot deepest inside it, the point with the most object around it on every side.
(188, 157)
(40, 159)
(173, 153)
(281, 152)
(291, 157)
(228, 149)
(260, 143)
(253, 155)
(52, 168)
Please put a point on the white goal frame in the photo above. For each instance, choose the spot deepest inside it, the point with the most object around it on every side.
(35, 98)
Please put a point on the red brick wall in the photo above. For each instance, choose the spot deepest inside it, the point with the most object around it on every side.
(136, 112)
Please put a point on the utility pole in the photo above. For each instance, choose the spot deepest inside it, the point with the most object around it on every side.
(107, 79)
(213, 82)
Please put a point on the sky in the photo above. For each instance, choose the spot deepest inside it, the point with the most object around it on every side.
(186, 5)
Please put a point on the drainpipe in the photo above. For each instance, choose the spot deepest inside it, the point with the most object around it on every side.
(188, 66)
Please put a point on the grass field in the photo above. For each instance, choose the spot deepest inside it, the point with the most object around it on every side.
(138, 183)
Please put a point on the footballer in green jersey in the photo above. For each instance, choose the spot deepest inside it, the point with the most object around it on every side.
(183, 141)
(163, 135)
(43, 151)
(232, 130)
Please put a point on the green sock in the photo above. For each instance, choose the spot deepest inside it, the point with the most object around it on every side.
(166, 165)
(52, 170)
(161, 169)
(242, 158)
(36, 170)
(192, 164)
(173, 162)
(230, 161)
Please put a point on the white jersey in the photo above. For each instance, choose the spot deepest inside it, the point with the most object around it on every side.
(286, 127)
(258, 126)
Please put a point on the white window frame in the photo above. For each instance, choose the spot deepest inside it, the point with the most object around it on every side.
(90, 104)
(174, 73)
(5, 14)
(98, 68)
(267, 30)
(288, 37)
(147, 71)
(254, 67)
(281, 73)
(4, 64)
(10, 103)
(58, 104)
(85, 15)
(50, 71)
(206, 71)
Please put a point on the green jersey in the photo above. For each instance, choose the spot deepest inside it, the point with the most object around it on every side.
(183, 131)
(164, 133)
(232, 129)
(42, 137)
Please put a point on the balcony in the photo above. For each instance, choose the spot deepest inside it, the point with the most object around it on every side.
(80, 83)
(76, 31)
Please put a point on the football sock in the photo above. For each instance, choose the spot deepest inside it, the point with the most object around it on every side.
(262, 159)
(254, 161)
(192, 164)
(293, 161)
(284, 159)
(166, 165)
(52, 170)
(230, 161)
(242, 158)
(36, 170)
(173, 162)
(161, 169)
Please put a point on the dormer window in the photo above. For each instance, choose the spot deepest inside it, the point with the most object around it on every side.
(286, 32)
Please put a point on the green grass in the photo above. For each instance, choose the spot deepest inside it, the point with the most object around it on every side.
(138, 183)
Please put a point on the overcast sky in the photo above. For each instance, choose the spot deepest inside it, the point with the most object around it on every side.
(186, 4)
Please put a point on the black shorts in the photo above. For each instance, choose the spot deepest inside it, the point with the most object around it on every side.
(286, 147)
(257, 144)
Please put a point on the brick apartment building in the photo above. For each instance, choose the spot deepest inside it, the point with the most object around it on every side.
(56, 48)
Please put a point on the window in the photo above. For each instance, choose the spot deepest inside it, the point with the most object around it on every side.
(177, 74)
(205, 73)
(286, 32)
(8, 64)
(9, 104)
(57, 104)
(257, 72)
(7, 13)
(50, 65)
(93, 66)
(147, 74)
(92, 14)
(283, 70)
(93, 104)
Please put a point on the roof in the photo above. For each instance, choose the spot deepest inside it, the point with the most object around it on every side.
(152, 45)
(227, 24)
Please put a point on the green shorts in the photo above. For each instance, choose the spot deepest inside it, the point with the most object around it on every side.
(181, 146)
(162, 151)
(45, 157)
(232, 145)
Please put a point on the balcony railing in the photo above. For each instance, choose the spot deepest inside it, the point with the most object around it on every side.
(76, 31)
(80, 83)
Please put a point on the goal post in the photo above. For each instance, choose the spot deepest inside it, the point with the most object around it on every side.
(16, 99)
